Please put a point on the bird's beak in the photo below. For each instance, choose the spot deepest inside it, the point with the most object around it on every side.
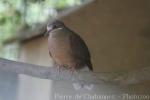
(49, 29)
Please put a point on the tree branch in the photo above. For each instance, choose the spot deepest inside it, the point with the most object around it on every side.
(130, 77)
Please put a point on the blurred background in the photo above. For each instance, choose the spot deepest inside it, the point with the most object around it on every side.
(17, 16)
(117, 33)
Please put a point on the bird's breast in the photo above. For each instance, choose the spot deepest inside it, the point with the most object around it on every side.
(60, 49)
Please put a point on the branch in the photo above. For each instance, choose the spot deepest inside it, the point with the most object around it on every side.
(130, 77)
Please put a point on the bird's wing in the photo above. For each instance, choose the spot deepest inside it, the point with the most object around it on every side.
(79, 48)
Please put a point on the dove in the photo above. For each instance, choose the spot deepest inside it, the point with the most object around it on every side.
(67, 48)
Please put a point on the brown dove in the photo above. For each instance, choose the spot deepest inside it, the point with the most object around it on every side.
(67, 48)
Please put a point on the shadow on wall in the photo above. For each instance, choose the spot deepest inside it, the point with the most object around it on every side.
(8, 85)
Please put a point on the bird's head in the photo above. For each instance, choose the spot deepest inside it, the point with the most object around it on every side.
(54, 25)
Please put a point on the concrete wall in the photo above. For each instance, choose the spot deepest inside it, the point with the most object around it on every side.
(8, 85)
(31, 88)
(117, 33)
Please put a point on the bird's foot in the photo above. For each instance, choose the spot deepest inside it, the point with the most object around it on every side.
(72, 70)
(59, 68)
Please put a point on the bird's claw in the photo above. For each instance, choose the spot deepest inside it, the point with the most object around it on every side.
(72, 70)
(59, 68)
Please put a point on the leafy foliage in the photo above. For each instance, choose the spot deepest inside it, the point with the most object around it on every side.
(14, 13)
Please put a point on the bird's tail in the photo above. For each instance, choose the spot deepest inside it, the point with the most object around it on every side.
(89, 64)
